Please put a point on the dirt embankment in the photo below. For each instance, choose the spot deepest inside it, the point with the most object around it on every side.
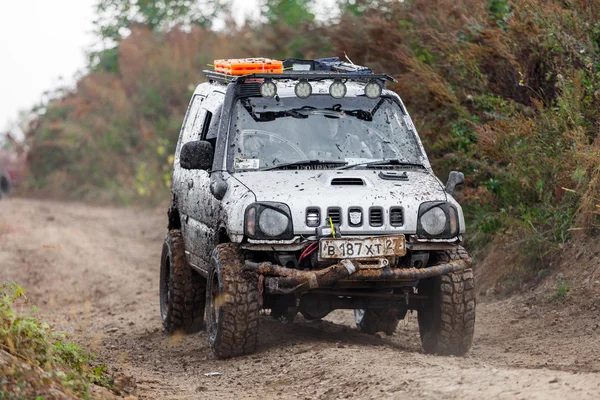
(93, 272)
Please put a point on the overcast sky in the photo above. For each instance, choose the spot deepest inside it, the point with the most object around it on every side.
(42, 41)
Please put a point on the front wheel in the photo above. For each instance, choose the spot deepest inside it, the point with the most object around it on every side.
(447, 317)
(231, 304)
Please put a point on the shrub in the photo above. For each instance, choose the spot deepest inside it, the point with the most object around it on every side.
(46, 362)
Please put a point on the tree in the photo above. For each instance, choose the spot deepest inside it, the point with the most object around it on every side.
(288, 12)
(359, 7)
(116, 17)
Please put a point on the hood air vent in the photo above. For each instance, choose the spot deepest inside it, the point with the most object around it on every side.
(347, 182)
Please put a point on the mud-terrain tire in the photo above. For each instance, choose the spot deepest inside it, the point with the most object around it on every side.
(447, 318)
(5, 185)
(231, 304)
(182, 290)
(371, 321)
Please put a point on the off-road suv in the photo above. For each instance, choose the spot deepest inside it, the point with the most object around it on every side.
(12, 163)
(304, 192)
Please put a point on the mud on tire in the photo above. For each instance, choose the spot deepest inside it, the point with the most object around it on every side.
(447, 318)
(371, 321)
(231, 305)
(182, 290)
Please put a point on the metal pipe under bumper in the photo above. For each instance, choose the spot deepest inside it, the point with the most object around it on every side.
(297, 280)
(282, 280)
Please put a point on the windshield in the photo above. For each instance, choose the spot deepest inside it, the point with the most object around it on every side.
(320, 130)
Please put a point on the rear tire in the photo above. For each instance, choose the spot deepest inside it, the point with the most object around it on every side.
(371, 321)
(182, 290)
(231, 305)
(5, 185)
(447, 318)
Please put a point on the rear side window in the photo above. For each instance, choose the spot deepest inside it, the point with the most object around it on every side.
(206, 125)
(193, 118)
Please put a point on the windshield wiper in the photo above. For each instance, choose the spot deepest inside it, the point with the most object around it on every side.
(382, 163)
(304, 163)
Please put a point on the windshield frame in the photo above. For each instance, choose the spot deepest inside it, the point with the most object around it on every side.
(229, 154)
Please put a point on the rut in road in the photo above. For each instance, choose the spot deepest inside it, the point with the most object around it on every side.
(93, 272)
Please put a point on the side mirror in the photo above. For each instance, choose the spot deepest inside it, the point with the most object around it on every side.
(454, 179)
(196, 155)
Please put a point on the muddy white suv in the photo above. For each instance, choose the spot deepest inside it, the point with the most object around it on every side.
(305, 192)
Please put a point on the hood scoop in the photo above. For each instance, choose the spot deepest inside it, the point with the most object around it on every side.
(347, 182)
(394, 175)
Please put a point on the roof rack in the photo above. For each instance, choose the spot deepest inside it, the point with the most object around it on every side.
(297, 75)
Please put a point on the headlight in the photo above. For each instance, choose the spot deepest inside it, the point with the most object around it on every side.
(269, 221)
(434, 221)
(437, 220)
(272, 223)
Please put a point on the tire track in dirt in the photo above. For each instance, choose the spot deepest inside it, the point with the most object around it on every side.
(93, 272)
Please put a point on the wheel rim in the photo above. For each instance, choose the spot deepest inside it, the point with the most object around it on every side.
(165, 289)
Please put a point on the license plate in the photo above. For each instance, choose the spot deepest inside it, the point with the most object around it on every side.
(381, 246)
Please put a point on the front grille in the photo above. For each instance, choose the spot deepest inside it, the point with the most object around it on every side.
(376, 216)
(335, 213)
(396, 216)
(313, 217)
(347, 182)
(355, 216)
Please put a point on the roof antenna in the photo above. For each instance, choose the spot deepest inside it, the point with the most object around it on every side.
(348, 58)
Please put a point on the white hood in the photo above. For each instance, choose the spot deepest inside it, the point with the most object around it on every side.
(300, 189)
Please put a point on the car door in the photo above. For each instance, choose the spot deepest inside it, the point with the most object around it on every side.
(202, 209)
(179, 188)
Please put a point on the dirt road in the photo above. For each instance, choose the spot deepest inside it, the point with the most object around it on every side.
(93, 272)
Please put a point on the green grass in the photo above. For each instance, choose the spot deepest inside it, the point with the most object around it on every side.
(41, 360)
(561, 290)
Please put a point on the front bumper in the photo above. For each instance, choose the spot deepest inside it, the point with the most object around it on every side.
(282, 280)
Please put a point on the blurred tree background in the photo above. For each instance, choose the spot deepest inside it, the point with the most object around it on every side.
(506, 91)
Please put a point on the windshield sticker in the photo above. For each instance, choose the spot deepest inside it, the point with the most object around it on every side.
(247, 163)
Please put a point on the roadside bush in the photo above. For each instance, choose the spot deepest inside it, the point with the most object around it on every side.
(43, 363)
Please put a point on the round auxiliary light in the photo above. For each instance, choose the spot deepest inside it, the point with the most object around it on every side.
(337, 90)
(268, 89)
(303, 89)
(373, 90)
